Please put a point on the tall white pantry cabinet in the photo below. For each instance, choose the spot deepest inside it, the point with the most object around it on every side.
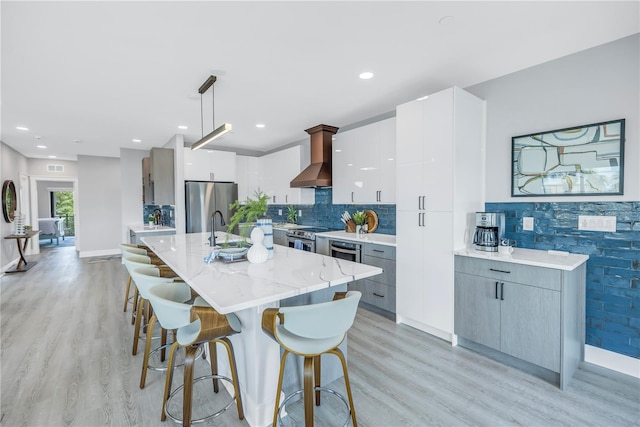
(440, 149)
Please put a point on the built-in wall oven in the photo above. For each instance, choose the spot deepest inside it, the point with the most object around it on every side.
(304, 238)
(351, 251)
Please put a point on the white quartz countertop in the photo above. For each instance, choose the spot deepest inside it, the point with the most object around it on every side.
(143, 228)
(550, 259)
(231, 287)
(379, 239)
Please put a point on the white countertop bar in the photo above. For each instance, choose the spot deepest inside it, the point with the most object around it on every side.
(230, 287)
(143, 228)
(549, 259)
(377, 238)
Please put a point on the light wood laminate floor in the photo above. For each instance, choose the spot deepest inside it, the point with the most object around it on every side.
(66, 360)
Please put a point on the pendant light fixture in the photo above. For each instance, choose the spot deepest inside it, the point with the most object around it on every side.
(217, 133)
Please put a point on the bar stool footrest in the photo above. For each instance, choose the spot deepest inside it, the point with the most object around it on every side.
(208, 417)
(325, 389)
(164, 368)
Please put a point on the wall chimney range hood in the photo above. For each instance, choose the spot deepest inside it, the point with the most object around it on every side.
(318, 173)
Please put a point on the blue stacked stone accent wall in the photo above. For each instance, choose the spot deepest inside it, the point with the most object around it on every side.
(613, 269)
(326, 214)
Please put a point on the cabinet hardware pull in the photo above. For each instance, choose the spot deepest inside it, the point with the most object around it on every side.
(274, 199)
(419, 223)
(419, 205)
(423, 221)
(502, 291)
(378, 295)
(352, 196)
(377, 250)
(423, 200)
(500, 271)
(496, 290)
(286, 198)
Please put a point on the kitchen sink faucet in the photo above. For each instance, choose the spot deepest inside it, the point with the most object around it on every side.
(212, 239)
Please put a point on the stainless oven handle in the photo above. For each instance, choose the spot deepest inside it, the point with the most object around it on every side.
(345, 251)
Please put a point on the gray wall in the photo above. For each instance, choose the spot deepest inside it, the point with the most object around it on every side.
(594, 85)
(99, 221)
(131, 197)
(13, 164)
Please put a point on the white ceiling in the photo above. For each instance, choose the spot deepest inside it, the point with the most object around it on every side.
(89, 77)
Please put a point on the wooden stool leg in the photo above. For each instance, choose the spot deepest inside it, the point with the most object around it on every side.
(126, 295)
(189, 359)
(234, 374)
(134, 310)
(308, 391)
(316, 367)
(163, 342)
(283, 359)
(213, 353)
(147, 350)
(347, 383)
(168, 380)
(136, 329)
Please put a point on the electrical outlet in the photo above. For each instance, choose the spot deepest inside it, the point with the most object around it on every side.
(300, 213)
(279, 211)
(527, 223)
(597, 223)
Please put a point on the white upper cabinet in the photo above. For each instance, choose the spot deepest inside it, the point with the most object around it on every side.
(363, 167)
(248, 176)
(276, 172)
(209, 165)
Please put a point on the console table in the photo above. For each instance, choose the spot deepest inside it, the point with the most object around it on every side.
(22, 240)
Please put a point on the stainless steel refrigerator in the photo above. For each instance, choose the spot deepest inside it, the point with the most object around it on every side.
(203, 199)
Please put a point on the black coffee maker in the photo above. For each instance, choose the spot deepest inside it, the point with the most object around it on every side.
(489, 231)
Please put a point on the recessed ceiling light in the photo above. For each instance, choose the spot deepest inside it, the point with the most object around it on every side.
(77, 141)
(390, 158)
(41, 146)
(183, 127)
(422, 98)
(136, 140)
(260, 125)
(366, 75)
(51, 157)
(338, 150)
(349, 164)
(22, 128)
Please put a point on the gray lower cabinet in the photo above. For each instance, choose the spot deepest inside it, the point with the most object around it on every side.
(379, 292)
(533, 314)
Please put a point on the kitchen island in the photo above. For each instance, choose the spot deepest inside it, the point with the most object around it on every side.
(246, 289)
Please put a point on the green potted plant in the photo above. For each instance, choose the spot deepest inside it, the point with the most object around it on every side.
(151, 219)
(292, 214)
(359, 217)
(250, 211)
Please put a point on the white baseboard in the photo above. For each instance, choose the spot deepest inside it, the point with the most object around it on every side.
(105, 252)
(614, 361)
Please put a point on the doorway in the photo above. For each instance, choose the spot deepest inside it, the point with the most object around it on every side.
(54, 210)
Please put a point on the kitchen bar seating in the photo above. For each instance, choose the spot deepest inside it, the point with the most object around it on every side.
(126, 250)
(311, 331)
(196, 325)
(146, 278)
(133, 262)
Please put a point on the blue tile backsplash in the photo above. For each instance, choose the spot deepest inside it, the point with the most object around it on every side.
(326, 214)
(168, 216)
(613, 269)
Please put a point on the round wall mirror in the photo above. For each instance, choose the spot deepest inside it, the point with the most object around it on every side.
(9, 200)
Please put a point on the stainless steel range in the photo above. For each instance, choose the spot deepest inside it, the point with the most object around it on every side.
(304, 238)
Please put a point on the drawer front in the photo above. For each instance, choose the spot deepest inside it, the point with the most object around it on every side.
(377, 294)
(388, 276)
(380, 251)
(547, 278)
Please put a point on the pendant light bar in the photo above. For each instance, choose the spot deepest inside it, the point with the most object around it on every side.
(221, 130)
(226, 127)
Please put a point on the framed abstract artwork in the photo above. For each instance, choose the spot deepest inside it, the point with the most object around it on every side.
(577, 161)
